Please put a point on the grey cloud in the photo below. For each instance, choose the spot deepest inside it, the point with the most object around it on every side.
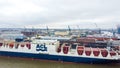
(67, 10)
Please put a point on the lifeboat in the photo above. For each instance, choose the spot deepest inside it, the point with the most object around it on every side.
(104, 52)
(112, 53)
(28, 45)
(116, 48)
(22, 45)
(6, 45)
(118, 52)
(11, 45)
(59, 49)
(80, 50)
(88, 51)
(65, 49)
(96, 51)
(1, 44)
(16, 46)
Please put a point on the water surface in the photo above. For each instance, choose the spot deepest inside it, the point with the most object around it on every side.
(8, 62)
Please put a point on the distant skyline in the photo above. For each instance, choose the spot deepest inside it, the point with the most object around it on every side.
(59, 13)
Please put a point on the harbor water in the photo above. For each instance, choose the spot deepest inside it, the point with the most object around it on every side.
(8, 62)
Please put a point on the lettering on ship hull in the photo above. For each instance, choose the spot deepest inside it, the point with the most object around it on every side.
(41, 47)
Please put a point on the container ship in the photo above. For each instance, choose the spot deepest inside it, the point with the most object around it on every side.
(78, 50)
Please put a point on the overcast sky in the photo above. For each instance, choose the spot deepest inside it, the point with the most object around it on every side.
(59, 13)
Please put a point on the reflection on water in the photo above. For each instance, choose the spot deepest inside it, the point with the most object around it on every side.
(8, 62)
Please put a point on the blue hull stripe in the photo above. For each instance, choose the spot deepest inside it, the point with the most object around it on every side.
(58, 58)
